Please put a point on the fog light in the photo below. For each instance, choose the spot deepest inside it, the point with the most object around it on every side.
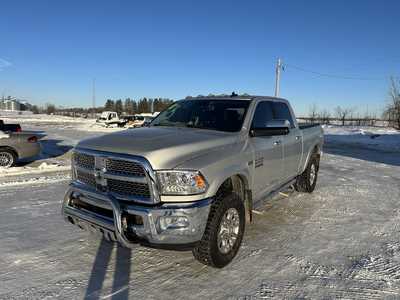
(173, 222)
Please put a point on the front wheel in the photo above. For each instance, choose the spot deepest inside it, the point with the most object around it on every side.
(224, 232)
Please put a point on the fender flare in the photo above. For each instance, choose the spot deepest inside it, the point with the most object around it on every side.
(316, 146)
(244, 177)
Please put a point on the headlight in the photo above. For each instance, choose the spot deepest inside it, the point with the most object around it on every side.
(176, 182)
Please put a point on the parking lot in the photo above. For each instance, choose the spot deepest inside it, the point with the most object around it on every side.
(342, 241)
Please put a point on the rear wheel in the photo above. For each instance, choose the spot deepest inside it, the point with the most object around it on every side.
(224, 232)
(7, 158)
(308, 179)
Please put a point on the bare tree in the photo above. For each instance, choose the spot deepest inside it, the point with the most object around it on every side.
(313, 113)
(50, 108)
(392, 111)
(343, 113)
(324, 116)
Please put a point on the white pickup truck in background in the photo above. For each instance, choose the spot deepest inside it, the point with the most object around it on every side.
(110, 118)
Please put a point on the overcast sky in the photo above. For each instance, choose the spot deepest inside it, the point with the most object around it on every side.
(51, 50)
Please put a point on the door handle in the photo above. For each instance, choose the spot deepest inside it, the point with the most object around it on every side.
(277, 143)
(298, 137)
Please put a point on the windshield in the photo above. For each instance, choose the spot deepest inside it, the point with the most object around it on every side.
(221, 115)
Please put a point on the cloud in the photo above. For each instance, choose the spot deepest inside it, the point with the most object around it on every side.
(4, 64)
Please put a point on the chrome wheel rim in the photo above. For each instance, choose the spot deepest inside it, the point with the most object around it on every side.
(313, 174)
(6, 159)
(228, 230)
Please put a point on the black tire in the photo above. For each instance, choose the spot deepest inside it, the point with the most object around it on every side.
(207, 250)
(305, 182)
(7, 158)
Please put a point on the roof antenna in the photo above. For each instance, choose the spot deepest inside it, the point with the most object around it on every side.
(233, 94)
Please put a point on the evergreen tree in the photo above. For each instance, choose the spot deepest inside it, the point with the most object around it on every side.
(134, 107)
(119, 108)
(143, 106)
(128, 107)
(110, 105)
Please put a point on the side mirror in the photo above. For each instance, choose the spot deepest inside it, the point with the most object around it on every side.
(272, 128)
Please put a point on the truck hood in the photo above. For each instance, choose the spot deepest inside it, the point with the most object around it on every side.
(163, 147)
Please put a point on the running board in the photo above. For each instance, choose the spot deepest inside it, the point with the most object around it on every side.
(273, 193)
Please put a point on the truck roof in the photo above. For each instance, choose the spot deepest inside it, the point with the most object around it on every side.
(237, 97)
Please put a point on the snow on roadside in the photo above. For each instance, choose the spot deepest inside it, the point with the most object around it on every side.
(35, 180)
(42, 168)
(4, 135)
(42, 118)
(379, 138)
(62, 122)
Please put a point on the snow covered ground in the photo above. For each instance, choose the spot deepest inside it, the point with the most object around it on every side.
(342, 241)
(378, 144)
(379, 138)
(62, 122)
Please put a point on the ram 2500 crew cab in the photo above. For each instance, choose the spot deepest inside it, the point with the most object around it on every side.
(192, 178)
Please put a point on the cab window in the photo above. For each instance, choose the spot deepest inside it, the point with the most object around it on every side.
(268, 110)
(281, 111)
(262, 115)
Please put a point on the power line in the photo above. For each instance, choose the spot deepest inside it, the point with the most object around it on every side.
(333, 75)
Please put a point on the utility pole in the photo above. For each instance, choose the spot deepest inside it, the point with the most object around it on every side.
(278, 77)
(94, 98)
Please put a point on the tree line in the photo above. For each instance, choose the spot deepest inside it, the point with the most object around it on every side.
(131, 107)
(128, 107)
(341, 115)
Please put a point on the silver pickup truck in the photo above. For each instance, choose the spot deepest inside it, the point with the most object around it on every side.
(193, 177)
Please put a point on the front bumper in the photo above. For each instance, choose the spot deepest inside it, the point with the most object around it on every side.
(131, 223)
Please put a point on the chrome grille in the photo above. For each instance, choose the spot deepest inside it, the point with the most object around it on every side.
(86, 178)
(122, 167)
(84, 160)
(128, 188)
(127, 178)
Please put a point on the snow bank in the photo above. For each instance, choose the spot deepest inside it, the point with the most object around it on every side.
(4, 135)
(42, 118)
(42, 168)
(35, 180)
(62, 122)
(379, 138)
